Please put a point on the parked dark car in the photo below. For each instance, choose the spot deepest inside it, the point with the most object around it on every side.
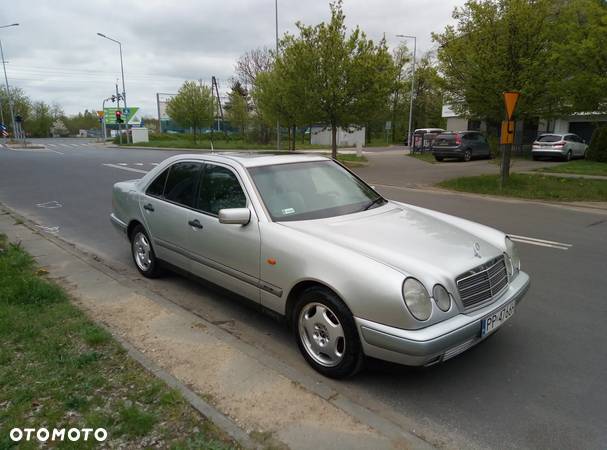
(462, 145)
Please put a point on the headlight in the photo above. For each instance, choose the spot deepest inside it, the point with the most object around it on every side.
(514, 265)
(441, 297)
(417, 299)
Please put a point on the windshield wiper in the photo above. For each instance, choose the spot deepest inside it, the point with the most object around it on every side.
(377, 201)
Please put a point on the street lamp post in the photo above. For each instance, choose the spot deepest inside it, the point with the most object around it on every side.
(8, 92)
(277, 121)
(409, 133)
(122, 73)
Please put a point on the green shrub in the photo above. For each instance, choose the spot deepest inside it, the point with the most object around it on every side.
(597, 150)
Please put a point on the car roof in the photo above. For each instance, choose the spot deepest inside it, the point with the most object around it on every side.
(255, 158)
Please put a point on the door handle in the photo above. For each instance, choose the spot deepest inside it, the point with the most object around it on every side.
(195, 223)
(148, 206)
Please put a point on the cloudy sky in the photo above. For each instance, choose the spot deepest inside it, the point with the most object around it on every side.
(55, 54)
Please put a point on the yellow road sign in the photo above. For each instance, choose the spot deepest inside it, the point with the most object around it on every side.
(100, 114)
(507, 135)
(510, 99)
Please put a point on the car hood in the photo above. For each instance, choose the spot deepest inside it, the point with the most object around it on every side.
(415, 241)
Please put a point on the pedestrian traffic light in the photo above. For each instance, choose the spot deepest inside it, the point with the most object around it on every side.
(119, 117)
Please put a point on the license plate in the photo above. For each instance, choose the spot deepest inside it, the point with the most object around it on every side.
(497, 319)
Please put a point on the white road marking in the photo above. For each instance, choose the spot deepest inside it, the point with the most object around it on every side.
(139, 164)
(49, 205)
(125, 168)
(52, 145)
(74, 145)
(122, 164)
(540, 242)
(55, 151)
(154, 164)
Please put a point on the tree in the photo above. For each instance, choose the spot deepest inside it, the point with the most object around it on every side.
(331, 77)
(81, 121)
(192, 107)
(505, 45)
(580, 55)
(41, 120)
(248, 67)
(21, 105)
(237, 107)
(59, 129)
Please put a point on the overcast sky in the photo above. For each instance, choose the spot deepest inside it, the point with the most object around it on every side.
(56, 56)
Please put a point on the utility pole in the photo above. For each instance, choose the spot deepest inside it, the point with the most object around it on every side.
(277, 121)
(118, 106)
(8, 93)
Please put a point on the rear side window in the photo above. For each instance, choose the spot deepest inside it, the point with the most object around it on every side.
(181, 184)
(156, 188)
(220, 189)
(549, 138)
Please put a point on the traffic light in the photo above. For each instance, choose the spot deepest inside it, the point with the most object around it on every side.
(119, 117)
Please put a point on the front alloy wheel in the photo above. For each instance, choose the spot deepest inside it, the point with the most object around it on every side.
(326, 333)
(467, 155)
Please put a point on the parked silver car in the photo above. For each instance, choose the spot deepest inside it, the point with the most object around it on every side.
(559, 145)
(353, 273)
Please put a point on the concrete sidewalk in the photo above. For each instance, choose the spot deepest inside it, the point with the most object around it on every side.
(254, 397)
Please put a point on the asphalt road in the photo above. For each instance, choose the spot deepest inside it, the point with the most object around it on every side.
(538, 383)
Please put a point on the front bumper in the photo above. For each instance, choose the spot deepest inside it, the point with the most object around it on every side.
(438, 342)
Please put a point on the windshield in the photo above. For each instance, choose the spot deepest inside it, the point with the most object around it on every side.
(312, 190)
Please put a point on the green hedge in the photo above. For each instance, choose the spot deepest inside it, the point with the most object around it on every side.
(597, 150)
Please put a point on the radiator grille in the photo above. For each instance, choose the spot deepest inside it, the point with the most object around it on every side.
(483, 282)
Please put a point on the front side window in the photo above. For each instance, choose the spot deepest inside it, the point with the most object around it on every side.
(220, 189)
(312, 190)
(181, 183)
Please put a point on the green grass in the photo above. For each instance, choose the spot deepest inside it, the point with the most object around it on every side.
(579, 167)
(538, 187)
(426, 156)
(58, 369)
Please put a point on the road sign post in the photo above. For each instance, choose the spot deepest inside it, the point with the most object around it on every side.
(507, 135)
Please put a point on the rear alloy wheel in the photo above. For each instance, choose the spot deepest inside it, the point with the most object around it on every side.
(467, 155)
(326, 333)
(143, 253)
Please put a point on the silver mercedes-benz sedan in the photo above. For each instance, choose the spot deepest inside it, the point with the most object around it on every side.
(353, 273)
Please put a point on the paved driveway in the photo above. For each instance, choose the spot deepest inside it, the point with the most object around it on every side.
(394, 168)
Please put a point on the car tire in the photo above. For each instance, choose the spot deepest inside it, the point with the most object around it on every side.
(568, 156)
(143, 254)
(535, 158)
(438, 158)
(326, 333)
(467, 156)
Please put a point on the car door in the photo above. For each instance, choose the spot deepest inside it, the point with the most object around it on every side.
(580, 146)
(165, 211)
(226, 254)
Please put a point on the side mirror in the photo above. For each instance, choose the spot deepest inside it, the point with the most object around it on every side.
(235, 216)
